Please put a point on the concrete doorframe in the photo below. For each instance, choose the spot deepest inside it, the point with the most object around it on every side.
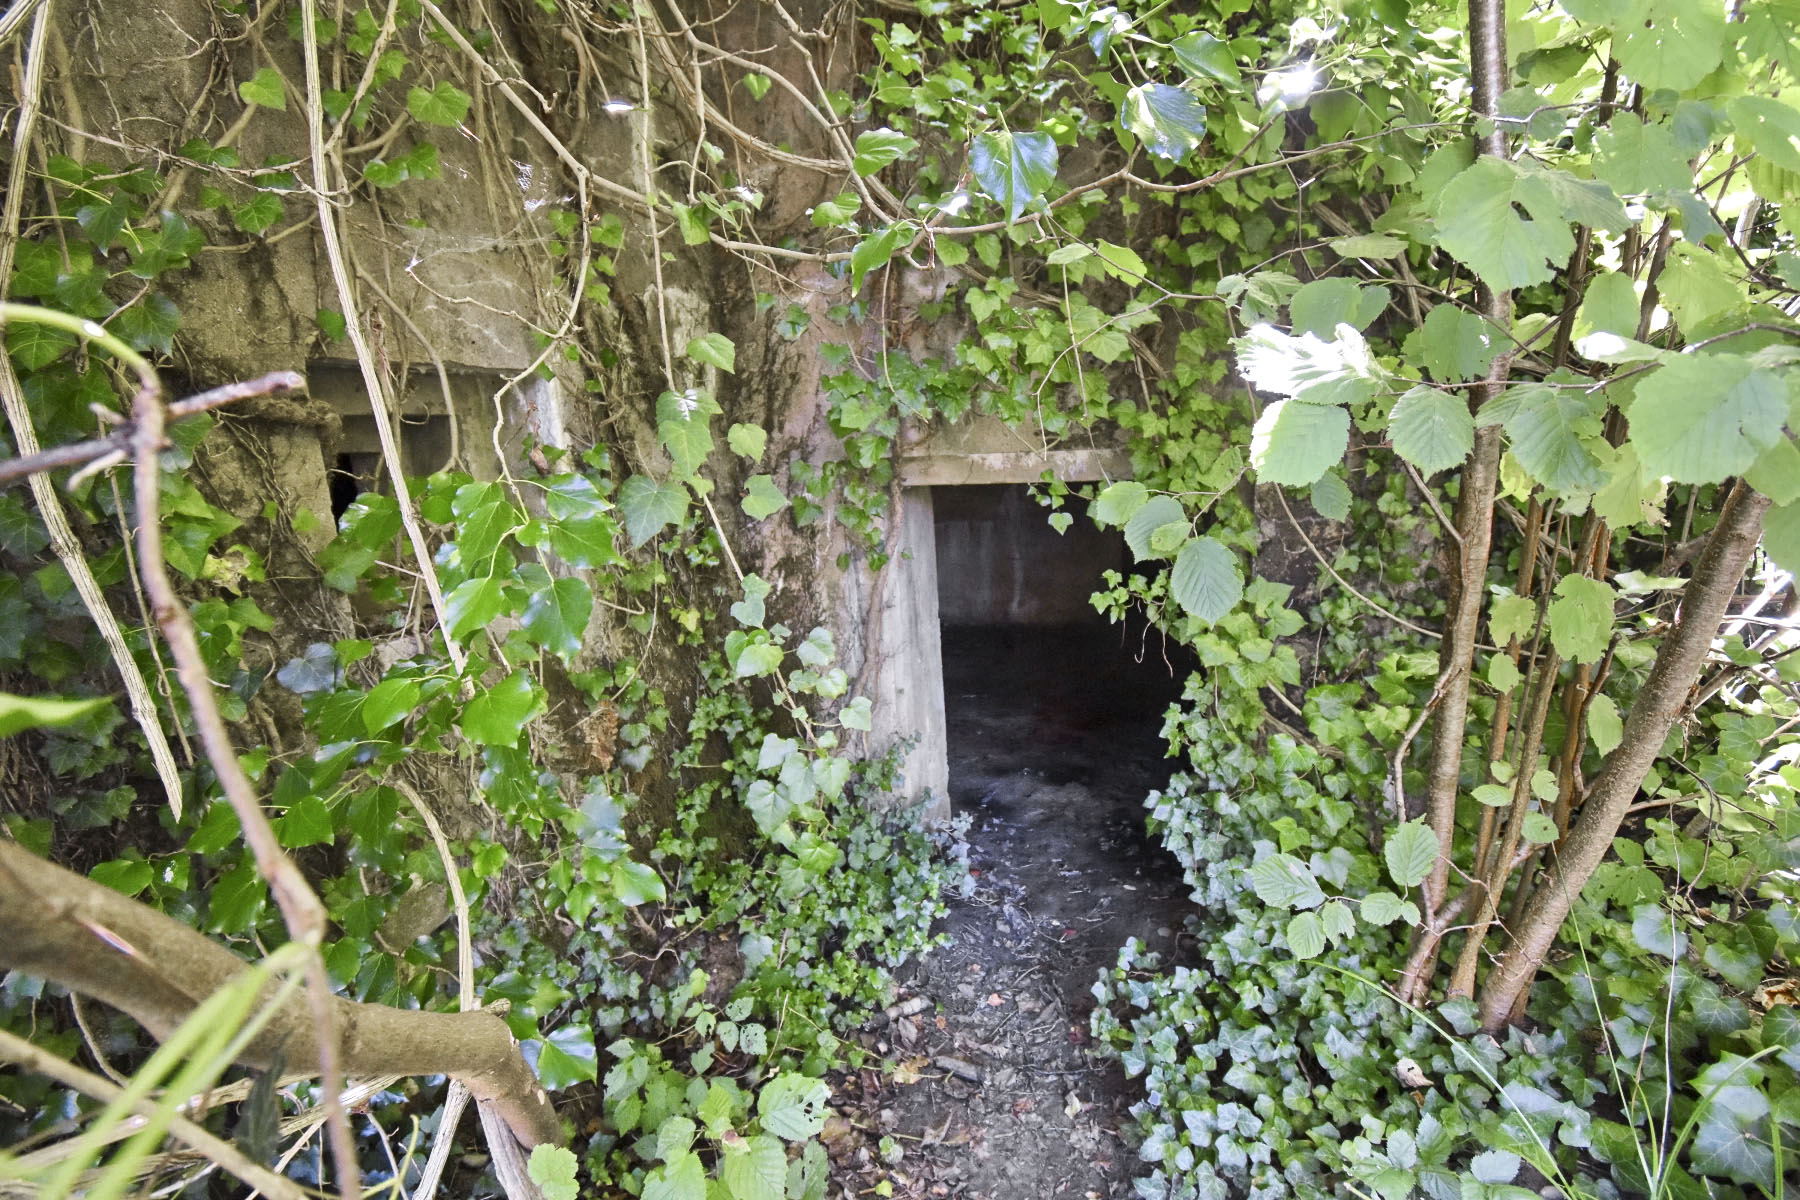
(909, 684)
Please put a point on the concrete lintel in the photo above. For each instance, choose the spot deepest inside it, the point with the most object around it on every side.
(1026, 466)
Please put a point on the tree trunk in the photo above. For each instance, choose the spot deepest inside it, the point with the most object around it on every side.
(1665, 692)
(86, 937)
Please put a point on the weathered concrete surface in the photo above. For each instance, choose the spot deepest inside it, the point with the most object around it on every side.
(984, 449)
(908, 685)
(1000, 562)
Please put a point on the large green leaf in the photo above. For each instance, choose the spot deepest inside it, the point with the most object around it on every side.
(1118, 502)
(874, 251)
(1206, 57)
(1285, 882)
(1294, 442)
(1506, 226)
(1553, 431)
(472, 604)
(567, 1057)
(1635, 157)
(1169, 121)
(1410, 851)
(1670, 43)
(446, 104)
(1307, 367)
(1781, 536)
(1013, 169)
(496, 715)
(1207, 581)
(1432, 430)
(1705, 418)
(715, 350)
(1322, 305)
(792, 1106)
(1140, 530)
(1581, 618)
(1306, 935)
(556, 616)
(1772, 127)
(755, 1169)
(1457, 345)
(762, 499)
(650, 507)
(876, 148)
(681, 1178)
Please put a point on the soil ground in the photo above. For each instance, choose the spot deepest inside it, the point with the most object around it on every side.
(997, 1094)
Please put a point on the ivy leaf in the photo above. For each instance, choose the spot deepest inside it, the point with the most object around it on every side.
(1410, 851)
(1306, 935)
(1581, 618)
(1169, 121)
(876, 148)
(715, 350)
(556, 617)
(792, 1106)
(1294, 443)
(387, 702)
(650, 507)
(685, 429)
(585, 541)
(1284, 881)
(1207, 581)
(496, 715)
(472, 604)
(35, 346)
(1605, 729)
(1479, 223)
(749, 610)
(150, 324)
(1118, 502)
(1153, 515)
(445, 105)
(1703, 419)
(307, 822)
(763, 499)
(1331, 497)
(837, 211)
(1670, 43)
(874, 252)
(1432, 430)
(1013, 169)
(635, 883)
(568, 1057)
(747, 440)
(1205, 56)
(264, 89)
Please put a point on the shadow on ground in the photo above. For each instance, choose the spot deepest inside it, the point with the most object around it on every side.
(1053, 744)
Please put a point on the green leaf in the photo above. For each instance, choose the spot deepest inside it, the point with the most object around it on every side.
(1479, 222)
(1322, 305)
(1151, 516)
(876, 148)
(755, 1170)
(675, 1137)
(387, 702)
(757, 85)
(1307, 367)
(496, 715)
(1170, 122)
(749, 610)
(264, 89)
(758, 659)
(635, 883)
(1605, 729)
(839, 210)
(691, 220)
(874, 252)
(1637, 158)
(1581, 618)
(307, 822)
(715, 350)
(557, 616)
(1121, 263)
(1696, 288)
(1432, 430)
(1206, 57)
(747, 440)
(650, 507)
(1410, 851)
(585, 541)
(1551, 430)
(1538, 829)
(35, 346)
(1368, 245)
(445, 105)
(1456, 344)
(684, 1178)
(1705, 418)
(792, 1106)
(1305, 935)
(1384, 908)
(1118, 502)
(567, 1057)
(1610, 305)
(472, 604)
(856, 714)
(1776, 473)
(1657, 932)
(1772, 127)
(763, 499)
(1670, 43)
(1284, 881)
(1331, 497)
(685, 429)
(1013, 169)
(1294, 443)
(552, 1168)
(1781, 536)
(1207, 581)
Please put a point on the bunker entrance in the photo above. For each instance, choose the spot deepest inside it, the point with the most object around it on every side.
(1053, 724)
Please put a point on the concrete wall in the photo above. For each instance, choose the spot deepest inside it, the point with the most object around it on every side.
(1000, 563)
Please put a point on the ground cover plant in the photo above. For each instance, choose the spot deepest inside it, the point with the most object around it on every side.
(1484, 317)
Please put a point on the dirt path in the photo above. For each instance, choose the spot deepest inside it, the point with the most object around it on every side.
(1053, 745)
